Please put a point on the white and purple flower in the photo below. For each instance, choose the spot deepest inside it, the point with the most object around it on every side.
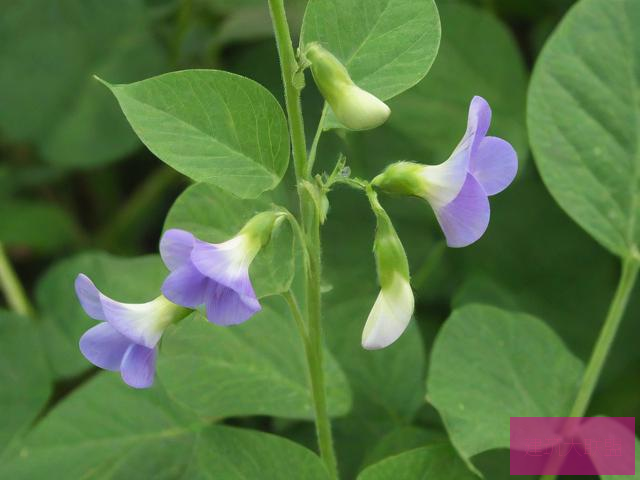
(216, 275)
(458, 189)
(127, 339)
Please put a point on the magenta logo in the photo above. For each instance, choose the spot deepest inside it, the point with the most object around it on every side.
(572, 446)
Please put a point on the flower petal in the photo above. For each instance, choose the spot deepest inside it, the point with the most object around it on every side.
(142, 323)
(103, 346)
(466, 218)
(175, 248)
(186, 286)
(228, 307)
(89, 297)
(227, 263)
(443, 182)
(494, 164)
(139, 366)
(479, 120)
(389, 316)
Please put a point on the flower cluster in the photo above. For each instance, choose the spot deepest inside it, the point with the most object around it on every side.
(201, 273)
(216, 276)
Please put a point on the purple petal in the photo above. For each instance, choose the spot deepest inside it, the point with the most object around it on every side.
(186, 286)
(104, 346)
(139, 366)
(175, 248)
(224, 263)
(494, 164)
(478, 120)
(89, 297)
(227, 307)
(466, 218)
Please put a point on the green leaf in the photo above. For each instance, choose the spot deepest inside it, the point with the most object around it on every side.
(257, 368)
(439, 462)
(212, 126)
(488, 365)
(38, 225)
(24, 377)
(402, 439)
(387, 385)
(584, 120)
(214, 215)
(387, 45)
(64, 321)
(107, 430)
(478, 56)
(49, 51)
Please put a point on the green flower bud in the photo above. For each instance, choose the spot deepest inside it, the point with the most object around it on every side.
(394, 306)
(354, 107)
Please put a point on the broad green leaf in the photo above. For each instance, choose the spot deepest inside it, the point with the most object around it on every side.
(489, 364)
(107, 430)
(478, 56)
(24, 377)
(38, 225)
(212, 126)
(387, 385)
(439, 462)
(214, 215)
(402, 439)
(132, 280)
(584, 120)
(387, 45)
(257, 368)
(49, 52)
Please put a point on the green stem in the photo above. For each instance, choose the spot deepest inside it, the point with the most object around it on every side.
(316, 140)
(12, 288)
(429, 266)
(137, 206)
(288, 66)
(311, 228)
(605, 340)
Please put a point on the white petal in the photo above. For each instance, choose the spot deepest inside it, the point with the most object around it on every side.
(142, 323)
(443, 182)
(389, 316)
(358, 109)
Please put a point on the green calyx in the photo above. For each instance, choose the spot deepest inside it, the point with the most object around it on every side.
(329, 73)
(401, 178)
(391, 259)
(260, 228)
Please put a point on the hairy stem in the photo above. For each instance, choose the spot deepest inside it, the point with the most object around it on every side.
(313, 340)
(12, 288)
(605, 340)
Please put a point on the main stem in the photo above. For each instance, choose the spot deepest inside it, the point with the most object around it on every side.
(607, 335)
(311, 226)
(12, 288)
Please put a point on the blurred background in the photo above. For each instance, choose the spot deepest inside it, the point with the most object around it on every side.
(75, 179)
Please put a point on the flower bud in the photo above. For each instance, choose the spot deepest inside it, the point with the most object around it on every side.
(394, 306)
(354, 107)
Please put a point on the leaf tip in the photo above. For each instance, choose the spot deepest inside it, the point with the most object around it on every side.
(104, 82)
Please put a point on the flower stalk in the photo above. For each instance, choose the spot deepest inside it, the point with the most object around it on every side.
(628, 276)
(310, 222)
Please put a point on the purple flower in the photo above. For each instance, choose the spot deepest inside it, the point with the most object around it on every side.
(216, 275)
(126, 339)
(458, 189)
